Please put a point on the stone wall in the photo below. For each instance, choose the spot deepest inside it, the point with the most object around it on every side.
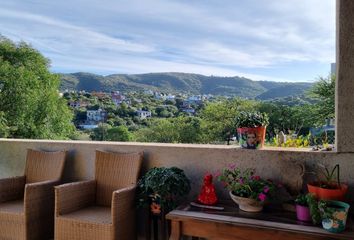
(196, 160)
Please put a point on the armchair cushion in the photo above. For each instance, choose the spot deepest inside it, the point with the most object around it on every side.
(12, 207)
(93, 222)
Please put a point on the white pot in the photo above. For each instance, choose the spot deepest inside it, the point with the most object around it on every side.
(247, 204)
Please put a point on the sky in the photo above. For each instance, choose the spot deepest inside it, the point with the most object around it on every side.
(278, 40)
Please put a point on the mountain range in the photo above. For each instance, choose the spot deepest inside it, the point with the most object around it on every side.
(187, 83)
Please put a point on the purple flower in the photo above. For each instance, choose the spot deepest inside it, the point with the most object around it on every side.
(240, 180)
(262, 197)
(266, 189)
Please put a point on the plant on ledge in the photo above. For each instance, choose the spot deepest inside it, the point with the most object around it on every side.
(248, 190)
(330, 187)
(251, 128)
(161, 188)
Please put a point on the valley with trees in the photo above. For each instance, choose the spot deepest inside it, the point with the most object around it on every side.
(154, 107)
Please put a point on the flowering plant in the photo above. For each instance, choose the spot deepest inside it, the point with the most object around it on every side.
(244, 183)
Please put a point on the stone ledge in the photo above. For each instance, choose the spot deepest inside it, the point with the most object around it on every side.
(168, 145)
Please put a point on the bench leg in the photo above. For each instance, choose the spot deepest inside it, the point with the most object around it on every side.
(175, 230)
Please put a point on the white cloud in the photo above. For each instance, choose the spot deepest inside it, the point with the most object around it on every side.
(215, 37)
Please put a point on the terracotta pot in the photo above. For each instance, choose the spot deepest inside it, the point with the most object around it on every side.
(247, 204)
(336, 222)
(328, 194)
(303, 213)
(251, 138)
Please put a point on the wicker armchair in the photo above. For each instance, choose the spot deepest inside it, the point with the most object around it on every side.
(103, 208)
(27, 202)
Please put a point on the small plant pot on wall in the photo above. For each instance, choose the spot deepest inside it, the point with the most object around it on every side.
(251, 129)
(335, 216)
(251, 138)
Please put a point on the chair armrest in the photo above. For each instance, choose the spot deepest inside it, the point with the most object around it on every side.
(39, 199)
(123, 212)
(71, 197)
(12, 188)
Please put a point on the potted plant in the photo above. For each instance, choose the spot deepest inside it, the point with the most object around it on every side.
(251, 129)
(161, 188)
(302, 208)
(245, 188)
(330, 188)
(332, 214)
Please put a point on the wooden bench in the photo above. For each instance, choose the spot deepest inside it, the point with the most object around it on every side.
(232, 223)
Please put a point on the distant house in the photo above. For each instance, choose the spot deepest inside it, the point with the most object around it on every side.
(170, 97)
(159, 96)
(99, 95)
(143, 114)
(149, 92)
(77, 104)
(117, 98)
(96, 116)
(88, 127)
(197, 99)
(189, 110)
(327, 130)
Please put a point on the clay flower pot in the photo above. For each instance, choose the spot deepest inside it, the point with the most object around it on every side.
(247, 204)
(336, 222)
(328, 194)
(303, 213)
(251, 138)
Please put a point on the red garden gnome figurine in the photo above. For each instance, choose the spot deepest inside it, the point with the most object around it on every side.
(208, 196)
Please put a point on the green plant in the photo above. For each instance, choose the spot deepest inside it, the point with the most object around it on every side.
(302, 200)
(318, 209)
(331, 181)
(251, 119)
(244, 183)
(314, 210)
(165, 185)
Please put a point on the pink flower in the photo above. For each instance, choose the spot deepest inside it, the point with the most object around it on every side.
(225, 184)
(217, 174)
(256, 178)
(262, 197)
(232, 166)
(266, 189)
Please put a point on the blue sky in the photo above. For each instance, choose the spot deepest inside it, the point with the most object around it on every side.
(281, 40)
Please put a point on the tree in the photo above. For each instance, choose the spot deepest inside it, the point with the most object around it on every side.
(4, 129)
(324, 91)
(218, 118)
(120, 134)
(101, 132)
(29, 97)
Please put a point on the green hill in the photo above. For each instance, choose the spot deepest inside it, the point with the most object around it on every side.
(187, 83)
